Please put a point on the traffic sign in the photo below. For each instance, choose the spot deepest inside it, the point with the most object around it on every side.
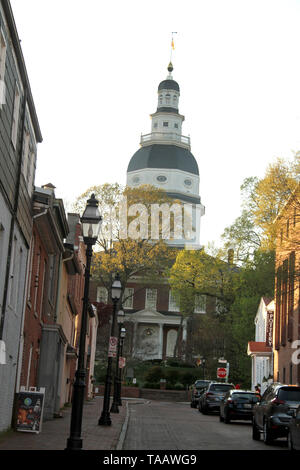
(221, 372)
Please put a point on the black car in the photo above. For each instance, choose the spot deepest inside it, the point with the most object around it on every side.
(211, 398)
(294, 431)
(197, 389)
(272, 415)
(237, 404)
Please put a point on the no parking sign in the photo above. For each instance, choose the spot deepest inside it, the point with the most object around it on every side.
(113, 343)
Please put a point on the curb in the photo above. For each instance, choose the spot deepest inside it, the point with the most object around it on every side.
(123, 430)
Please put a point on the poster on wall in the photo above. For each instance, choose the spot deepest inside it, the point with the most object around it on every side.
(29, 410)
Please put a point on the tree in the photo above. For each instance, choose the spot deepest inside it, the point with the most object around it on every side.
(127, 212)
(196, 273)
(262, 202)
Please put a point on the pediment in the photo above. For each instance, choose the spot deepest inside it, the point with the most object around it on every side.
(147, 313)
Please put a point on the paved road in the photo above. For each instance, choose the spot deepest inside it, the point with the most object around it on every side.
(157, 425)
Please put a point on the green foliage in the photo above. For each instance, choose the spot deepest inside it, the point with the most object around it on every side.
(172, 375)
(188, 378)
(154, 374)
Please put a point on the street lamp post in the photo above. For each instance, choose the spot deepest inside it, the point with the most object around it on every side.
(203, 364)
(91, 222)
(115, 295)
(114, 407)
(122, 337)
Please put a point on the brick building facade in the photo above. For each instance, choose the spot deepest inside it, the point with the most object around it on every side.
(287, 298)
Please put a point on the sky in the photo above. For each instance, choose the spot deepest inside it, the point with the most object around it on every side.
(95, 66)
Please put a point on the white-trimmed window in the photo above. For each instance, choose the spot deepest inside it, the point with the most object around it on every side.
(30, 170)
(15, 118)
(102, 295)
(200, 303)
(173, 305)
(151, 298)
(26, 154)
(128, 296)
(3, 48)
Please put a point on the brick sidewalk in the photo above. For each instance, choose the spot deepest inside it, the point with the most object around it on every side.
(55, 432)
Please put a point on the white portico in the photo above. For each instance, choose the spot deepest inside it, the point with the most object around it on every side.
(154, 334)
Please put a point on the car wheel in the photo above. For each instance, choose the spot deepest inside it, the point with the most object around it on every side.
(255, 432)
(204, 410)
(267, 434)
(226, 418)
(290, 441)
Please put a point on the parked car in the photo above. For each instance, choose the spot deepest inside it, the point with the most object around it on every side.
(294, 431)
(237, 404)
(197, 389)
(272, 415)
(211, 398)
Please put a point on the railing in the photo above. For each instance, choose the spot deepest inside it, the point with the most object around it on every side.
(166, 136)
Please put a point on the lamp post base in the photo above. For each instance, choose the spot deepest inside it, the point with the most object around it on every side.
(114, 407)
(74, 443)
(104, 419)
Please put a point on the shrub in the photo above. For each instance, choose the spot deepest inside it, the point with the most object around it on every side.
(188, 378)
(172, 376)
(179, 386)
(154, 374)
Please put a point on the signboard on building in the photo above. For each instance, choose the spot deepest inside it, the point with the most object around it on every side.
(113, 343)
(29, 410)
(269, 328)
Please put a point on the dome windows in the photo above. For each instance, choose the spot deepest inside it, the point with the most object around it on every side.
(135, 180)
(161, 178)
(188, 182)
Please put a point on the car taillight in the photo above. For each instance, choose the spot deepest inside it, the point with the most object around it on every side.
(209, 394)
(276, 401)
(229, 400)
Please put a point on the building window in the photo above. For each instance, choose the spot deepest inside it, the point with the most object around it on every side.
(283, 375)
(155, 125)
(165, 124)
(3, 48)
(176, 125)
(102, 295)
(200, 303)
(151, 298)
(26, 154)
(128, 297)
(52, 276)
(160, 99)
(173, 305)
(15, 117)
(167, 98)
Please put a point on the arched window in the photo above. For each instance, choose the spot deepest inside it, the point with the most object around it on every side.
(168, 97)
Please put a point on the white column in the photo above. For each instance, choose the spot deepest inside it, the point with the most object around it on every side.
(161, 340)
(135, 324)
